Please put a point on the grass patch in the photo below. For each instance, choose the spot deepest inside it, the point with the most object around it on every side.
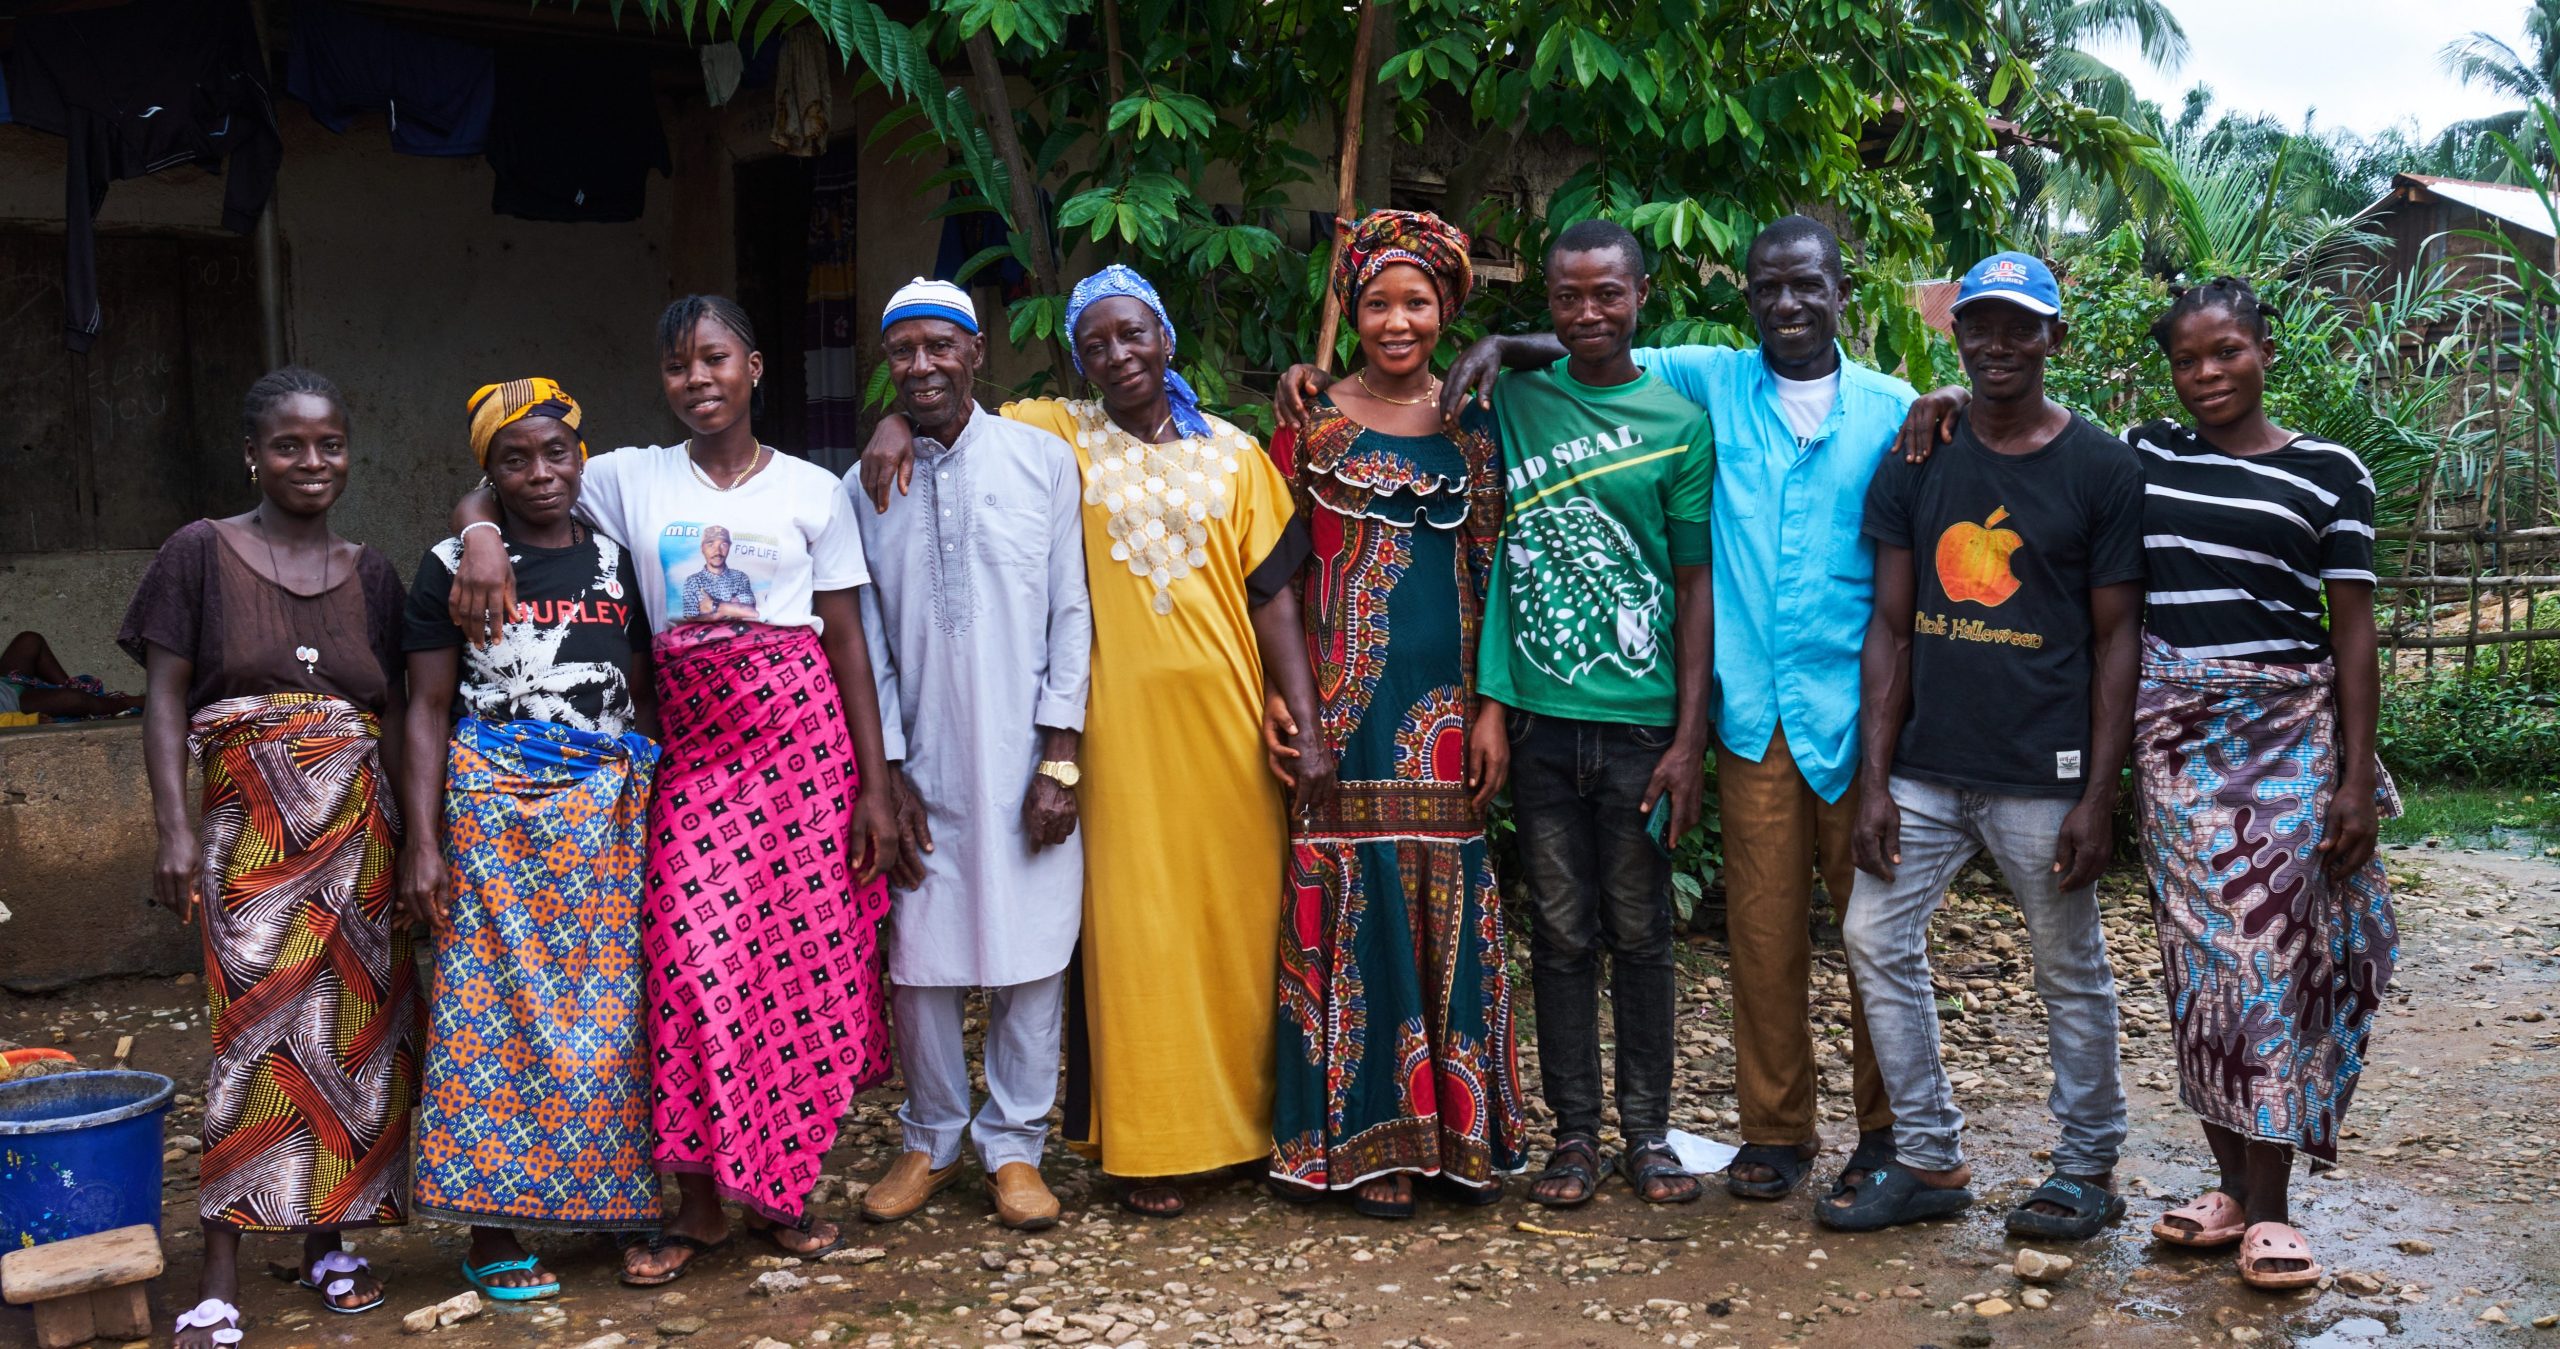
(2477, 817)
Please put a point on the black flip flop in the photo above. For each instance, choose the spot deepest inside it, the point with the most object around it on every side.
(1785, 1159)
(1576, 1159)
(665, 1240)
(1652, 1159)
(1291, 1192)
(1180, 1205)
(1890, 1196)
(1469, 1196)
(1875, 1148)
(2091, 1210)
(1382, 1208)
(768, 1231)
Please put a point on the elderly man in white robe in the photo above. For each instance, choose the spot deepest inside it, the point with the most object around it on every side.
(982, 639)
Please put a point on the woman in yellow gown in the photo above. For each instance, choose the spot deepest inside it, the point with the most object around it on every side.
(1189, 547)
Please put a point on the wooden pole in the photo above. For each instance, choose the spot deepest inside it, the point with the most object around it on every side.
(1346, 183)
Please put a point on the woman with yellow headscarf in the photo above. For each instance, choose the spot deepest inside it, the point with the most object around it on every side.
(535, 1111)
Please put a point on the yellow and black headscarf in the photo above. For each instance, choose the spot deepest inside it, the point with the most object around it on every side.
(498, 406)
(1381, 239)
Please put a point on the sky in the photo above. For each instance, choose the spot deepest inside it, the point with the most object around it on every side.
(2362, 64)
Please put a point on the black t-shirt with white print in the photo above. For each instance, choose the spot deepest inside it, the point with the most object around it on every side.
(2237, 547)
(568, 659)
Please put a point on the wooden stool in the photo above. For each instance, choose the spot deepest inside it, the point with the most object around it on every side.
(87, 1286)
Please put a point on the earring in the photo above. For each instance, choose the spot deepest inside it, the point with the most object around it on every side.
(253, 475)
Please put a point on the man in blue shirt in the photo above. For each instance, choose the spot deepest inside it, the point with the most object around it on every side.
(1800, 429)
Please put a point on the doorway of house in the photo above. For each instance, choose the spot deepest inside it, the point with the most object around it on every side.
(773, 200)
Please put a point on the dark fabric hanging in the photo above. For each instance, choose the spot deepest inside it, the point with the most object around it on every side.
(136, 89)
(439, 93)
(575, 134)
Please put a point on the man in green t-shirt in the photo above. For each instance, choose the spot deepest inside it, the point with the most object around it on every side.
(1596, 640)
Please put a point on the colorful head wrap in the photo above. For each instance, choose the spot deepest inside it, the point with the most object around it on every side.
(1117, 279)
(498, 406)
(925, 298)
(1382, 239)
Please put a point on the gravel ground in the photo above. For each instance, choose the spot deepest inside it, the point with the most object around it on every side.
(2427, 1227)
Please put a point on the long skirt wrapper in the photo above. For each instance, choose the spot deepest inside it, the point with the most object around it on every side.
(764, 958)
(536, 1107)
(2274, 974)
(314, 1008)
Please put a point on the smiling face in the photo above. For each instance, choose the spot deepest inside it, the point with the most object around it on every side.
(1796, 292)
(1593, 298)
(2004, 348)
(934, 364)
(2218, 362)
(299, 452)
(1123, 350)
(710, 380)
(534, 466)
(1398, 317)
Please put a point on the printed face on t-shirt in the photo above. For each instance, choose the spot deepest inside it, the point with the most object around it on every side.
(714, 574)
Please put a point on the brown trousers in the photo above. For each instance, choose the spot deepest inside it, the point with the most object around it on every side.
(1776, 829)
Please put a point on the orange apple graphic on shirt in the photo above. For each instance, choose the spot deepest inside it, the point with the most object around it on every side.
(1973, 560)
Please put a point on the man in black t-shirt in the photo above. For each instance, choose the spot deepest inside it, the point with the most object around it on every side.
(1998, 683)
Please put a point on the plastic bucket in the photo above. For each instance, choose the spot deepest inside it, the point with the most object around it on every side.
(80, 1153)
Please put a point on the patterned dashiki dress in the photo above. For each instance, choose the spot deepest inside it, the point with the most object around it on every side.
(1396, 1048)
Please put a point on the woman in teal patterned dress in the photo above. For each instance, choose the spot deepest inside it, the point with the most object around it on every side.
(1396, 1054)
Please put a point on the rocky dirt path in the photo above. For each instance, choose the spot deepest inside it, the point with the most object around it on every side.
(2435, 1227)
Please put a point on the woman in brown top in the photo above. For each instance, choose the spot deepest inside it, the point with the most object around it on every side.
(273, 652)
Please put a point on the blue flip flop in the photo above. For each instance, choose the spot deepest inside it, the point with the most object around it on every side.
(532, 1292)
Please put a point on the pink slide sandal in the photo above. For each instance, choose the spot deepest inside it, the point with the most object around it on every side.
(2275, 1241)
(2217, 1221)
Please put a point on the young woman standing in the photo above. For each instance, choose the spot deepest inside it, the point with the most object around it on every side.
(272, 647)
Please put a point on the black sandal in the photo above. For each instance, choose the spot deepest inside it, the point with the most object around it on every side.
(1786, 1161)
(1575, 1159)
(1653, 1160)
(2090, 1210)
(672, 1240)
(1875, 1148)
(770, 1232)
(1129, 1201)
(1382, 1208)
(1890, 1196)
(1469, 1196)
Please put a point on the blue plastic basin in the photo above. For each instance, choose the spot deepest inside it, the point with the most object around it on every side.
(80, 1153)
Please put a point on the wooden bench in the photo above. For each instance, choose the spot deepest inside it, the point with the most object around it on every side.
(85, 1287)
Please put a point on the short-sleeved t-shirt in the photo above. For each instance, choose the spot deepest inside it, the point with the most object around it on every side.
(567, 659)
(202, 600)
(2005, 550)
(755, 554)
(1608, 490)
(2237, 547)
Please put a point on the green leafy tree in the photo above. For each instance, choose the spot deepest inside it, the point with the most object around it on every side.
(2526, 76)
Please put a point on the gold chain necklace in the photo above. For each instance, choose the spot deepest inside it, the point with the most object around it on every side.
(762, 457)
(1362, 379)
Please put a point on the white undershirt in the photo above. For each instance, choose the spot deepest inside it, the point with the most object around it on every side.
(1807, 402)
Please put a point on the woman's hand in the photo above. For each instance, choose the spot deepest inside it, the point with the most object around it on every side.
(177, 876)
(1488, 755)
(1278, 730)
(484, 588)
(1930, 423)
(1300, 386)
(889, 457)
(1314, 785)
(426, 887)
(873, 837)
(2350, 828)
(1875, 841)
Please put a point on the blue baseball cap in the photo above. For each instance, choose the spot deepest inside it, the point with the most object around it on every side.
(2022, 279)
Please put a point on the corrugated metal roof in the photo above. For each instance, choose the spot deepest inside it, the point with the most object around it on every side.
(2518, 206)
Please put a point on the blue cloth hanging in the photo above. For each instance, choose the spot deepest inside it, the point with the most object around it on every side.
(438, 92)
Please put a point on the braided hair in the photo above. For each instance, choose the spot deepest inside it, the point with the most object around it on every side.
(282, 383)
(676, 325)
(2231, 294)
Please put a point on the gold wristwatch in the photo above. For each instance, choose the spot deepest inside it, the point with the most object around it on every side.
(1062, 772)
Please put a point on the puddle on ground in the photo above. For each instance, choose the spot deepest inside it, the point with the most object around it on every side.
(2353, 1332)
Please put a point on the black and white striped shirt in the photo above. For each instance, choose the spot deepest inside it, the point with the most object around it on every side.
(2238, 547)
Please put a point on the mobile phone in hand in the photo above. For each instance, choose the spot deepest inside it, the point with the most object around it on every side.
(1658, 824)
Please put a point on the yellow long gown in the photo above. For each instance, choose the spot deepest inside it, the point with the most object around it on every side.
(1184, 827)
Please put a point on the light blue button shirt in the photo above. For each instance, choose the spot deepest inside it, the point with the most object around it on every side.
(1794, 576)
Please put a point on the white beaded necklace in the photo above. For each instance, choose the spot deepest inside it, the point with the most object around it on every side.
(1161, 497)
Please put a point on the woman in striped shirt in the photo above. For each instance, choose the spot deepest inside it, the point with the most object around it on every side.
(2254, 746)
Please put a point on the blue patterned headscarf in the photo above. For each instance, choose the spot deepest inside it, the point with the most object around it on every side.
(1119, 279)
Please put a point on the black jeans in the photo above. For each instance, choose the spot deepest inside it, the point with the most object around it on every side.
(1595, 879)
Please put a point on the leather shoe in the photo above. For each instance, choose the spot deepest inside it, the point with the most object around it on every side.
(909, 1182)
(1022, 1199)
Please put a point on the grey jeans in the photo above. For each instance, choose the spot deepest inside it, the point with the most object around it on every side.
(1887, 934)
